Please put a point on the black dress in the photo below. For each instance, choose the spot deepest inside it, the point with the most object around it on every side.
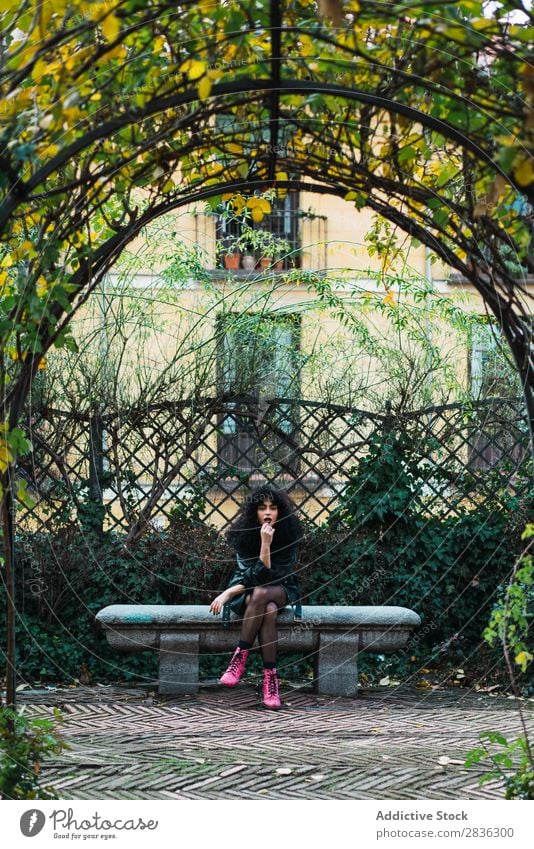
(251, 572)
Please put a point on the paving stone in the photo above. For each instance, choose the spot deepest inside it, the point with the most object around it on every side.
(386, 744)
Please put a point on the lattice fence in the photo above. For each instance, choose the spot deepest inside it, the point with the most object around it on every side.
(201, 456)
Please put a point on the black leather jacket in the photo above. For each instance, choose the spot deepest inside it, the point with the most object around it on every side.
(252, 573)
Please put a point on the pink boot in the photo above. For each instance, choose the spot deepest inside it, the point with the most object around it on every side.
(270, 696)
(236, 668)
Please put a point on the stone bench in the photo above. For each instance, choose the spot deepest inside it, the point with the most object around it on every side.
(334, 635)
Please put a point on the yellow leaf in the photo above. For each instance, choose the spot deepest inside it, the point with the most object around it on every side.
(42, 364)
(389, 299)
(6, 456)
(24, 251)
(214, 169)
(110, 27)
(41, 287)
(48, 150)
(230, 52)
(523, 659)
(481, 23)
(6, 287)
(524, 171)
(193, 68)
(204, 88)
(40, 68)
(257, 214)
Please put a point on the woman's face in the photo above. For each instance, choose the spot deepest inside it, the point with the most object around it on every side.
(267, 511)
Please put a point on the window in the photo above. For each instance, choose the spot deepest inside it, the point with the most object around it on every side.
(492, 372)
(258, 361)
(497, 436)
(484, 348)
(282, 223)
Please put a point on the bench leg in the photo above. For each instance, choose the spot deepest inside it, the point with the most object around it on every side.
(336, 665)
(178, 664)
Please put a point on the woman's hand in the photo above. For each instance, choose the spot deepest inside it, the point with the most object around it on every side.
(217, 604)
(266, 534)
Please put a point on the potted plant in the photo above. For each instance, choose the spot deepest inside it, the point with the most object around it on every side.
(273, 251)
(232, 260)
(248, 260)
(265, 262)
(270, 248)
(230, 250)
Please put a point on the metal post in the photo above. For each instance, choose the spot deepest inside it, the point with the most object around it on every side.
(8, 507)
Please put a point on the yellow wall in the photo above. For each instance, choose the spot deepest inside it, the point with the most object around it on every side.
(346, 229)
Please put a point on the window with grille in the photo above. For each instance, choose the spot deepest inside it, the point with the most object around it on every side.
(491, 370)
(494, 440)
(259, 361)
(282, 222)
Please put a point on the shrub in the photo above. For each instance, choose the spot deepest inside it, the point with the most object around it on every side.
(66, 578)
(383, 546)
(24, 743)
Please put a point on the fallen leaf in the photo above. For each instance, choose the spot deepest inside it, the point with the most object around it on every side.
(284, 771)
(444, 759)
(384, 681)
(318, 777)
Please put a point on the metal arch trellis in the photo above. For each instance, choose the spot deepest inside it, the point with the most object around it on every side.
(71, 169)
(152, 462)
(275, 87)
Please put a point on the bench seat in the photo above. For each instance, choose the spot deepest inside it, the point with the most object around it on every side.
(335, 635)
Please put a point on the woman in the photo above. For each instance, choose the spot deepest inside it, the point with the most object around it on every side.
(265, 535)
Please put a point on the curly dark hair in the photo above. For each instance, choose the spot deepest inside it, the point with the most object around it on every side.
(244, 532)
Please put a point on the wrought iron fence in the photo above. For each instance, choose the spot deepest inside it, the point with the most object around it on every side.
(199, 457)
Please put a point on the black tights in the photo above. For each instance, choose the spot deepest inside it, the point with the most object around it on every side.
(260, 619)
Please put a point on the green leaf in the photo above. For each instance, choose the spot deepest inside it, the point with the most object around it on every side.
(441, 218)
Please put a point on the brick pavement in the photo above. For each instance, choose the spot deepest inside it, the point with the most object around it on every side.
(387, 744)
